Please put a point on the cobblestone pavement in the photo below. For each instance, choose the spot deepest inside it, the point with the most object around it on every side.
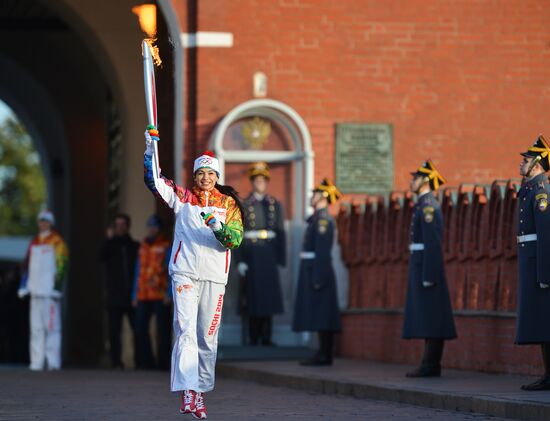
(136, 395)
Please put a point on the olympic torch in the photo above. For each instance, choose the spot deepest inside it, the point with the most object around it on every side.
(147, 14)
(150, 93)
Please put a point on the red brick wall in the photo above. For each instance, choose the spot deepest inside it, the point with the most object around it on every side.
(465, 82)
(481, 269)
(484, 343)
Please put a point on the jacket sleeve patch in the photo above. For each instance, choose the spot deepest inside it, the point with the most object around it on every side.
(542, 202)
(323, 226)
(428, 214)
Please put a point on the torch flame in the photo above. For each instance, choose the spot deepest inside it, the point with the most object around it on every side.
(154, 50)
(147, 15)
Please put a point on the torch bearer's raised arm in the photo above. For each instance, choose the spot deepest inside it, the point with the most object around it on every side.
(150, 97)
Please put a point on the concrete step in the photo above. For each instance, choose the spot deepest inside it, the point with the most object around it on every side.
(491, 394)
(263, 353)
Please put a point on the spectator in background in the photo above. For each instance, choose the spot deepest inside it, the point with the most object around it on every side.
(152, 295)
(43, 278)
(119, 254)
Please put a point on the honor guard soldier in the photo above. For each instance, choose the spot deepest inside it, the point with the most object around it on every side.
(316, 307)
(428, 312)
(262, 252)
(533, 256)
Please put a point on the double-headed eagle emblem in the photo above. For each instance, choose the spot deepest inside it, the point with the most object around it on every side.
(255, 132)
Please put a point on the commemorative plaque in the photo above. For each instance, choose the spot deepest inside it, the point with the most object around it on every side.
(364, 158)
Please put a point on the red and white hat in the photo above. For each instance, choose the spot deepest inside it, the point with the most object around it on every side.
(207, 160)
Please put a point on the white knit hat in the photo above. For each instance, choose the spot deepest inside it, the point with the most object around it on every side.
(207, 160)
(46, 215)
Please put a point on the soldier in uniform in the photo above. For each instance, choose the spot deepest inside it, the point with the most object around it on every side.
(262, 251)
(428, 312)
(533, 256)
(316, 307)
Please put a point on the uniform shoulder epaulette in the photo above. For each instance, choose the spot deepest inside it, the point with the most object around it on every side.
(426, 201)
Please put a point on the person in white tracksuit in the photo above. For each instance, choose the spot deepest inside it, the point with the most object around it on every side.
(45, 267)
(208, 224)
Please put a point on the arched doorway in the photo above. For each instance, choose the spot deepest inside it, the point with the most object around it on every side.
(270, 131)
(72, 72)
(39, 114)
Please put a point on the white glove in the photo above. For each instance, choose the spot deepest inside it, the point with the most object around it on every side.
(211, 221)
(242, 267)
(22, 292)
(56, 295)
(148, 143)
(543, 285)
(216, 226)
(427, 284)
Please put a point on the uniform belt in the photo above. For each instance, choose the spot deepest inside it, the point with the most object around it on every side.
(307, 255)
(260, 235)
(416, 246)
(527, 237)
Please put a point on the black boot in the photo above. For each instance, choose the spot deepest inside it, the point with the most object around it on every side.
(266, 331)
(254, 330)
(325, 353)
(544, 382)
(431, 361)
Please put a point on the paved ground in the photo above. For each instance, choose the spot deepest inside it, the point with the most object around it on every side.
(111, 395)
(468, 383)
(496, 395)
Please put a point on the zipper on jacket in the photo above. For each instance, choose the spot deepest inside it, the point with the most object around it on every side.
(226, 260)
(177, 252)
(206, 195)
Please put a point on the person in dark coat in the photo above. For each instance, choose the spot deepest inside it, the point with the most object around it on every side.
(533, 256)
(119, 254)
(428, 312)
(316, 307)
(262, 252)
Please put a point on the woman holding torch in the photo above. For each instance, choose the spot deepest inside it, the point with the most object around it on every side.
(208, 224)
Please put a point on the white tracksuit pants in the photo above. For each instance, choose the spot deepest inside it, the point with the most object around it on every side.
(197, 317)
(45, 340)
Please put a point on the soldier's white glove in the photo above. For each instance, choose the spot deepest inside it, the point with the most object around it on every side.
(543, 285)
(427, 284)
(22, 292)
(242, 267)
(148, 143)
(56, 295)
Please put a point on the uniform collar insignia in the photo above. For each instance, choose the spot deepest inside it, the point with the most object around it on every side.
(426, 197)
(541, 178)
